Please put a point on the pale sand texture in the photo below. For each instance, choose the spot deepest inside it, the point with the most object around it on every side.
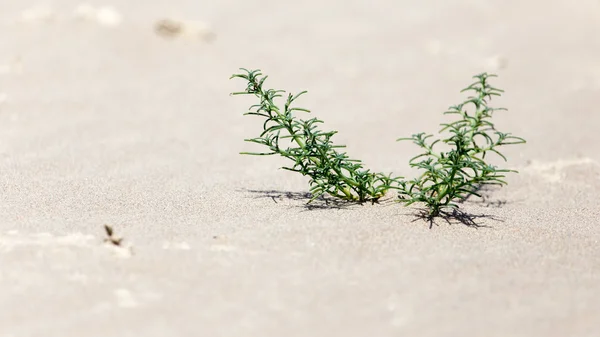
(106, 118)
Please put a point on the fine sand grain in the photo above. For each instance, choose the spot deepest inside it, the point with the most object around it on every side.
(119, 114)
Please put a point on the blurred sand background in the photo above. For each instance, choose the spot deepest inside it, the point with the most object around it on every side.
(109, 115)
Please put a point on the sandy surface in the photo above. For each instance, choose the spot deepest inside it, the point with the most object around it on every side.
(107, 119)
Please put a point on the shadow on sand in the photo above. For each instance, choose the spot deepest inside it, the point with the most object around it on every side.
(486, 200)
(322, 202)
(455, 216)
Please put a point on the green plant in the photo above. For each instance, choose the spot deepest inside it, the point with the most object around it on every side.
(458, 173)
(312, 151)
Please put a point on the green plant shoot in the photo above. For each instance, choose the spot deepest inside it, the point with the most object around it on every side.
(454, 175)
(311, 150)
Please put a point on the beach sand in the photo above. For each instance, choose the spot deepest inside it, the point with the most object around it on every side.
(119, 114)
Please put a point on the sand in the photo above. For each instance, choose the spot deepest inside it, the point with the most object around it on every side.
(119, 114)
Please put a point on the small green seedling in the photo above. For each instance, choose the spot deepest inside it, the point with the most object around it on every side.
(311, 150)
(456, 174)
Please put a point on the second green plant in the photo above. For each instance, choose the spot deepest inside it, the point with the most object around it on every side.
(449, 176)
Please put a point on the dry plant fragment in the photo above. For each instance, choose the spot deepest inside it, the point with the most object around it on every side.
(116, 245)
(111, 238)
(167, 28)
(192, 29)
